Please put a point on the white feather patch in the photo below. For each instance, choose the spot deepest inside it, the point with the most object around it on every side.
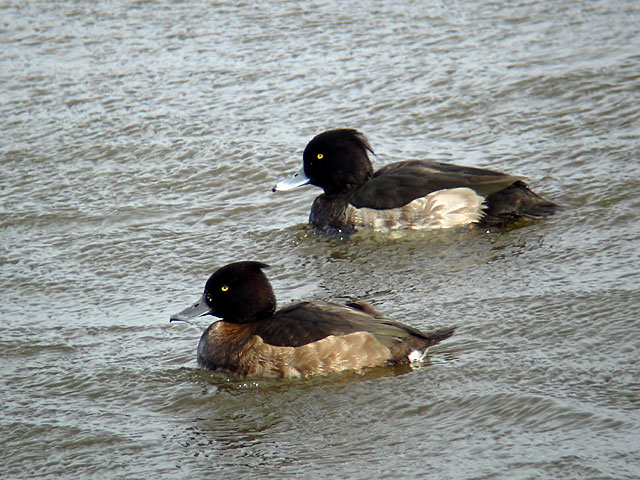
(416, 356)
(441, 209)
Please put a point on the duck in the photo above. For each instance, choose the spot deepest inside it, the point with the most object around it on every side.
(413, 194)
(253, 338)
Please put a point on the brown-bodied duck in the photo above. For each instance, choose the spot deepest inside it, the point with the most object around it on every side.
(300, 339)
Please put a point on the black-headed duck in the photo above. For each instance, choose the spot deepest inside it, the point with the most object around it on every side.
(300, 339)
(409, 194)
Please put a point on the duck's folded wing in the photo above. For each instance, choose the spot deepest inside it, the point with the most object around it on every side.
(399, 183)
(306, 322)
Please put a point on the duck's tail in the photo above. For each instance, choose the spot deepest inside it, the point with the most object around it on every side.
(436, 336)
(516, 201)
(416, 346)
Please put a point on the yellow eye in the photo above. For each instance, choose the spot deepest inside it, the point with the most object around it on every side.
(224, 288)
(320, 156)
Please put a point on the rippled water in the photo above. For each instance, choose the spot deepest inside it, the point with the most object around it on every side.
(139, 143)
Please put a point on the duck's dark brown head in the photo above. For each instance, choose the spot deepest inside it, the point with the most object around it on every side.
(238, 293)
(337, 161)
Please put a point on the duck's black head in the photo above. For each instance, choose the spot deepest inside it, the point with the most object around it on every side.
(238, 293)
(337, 161)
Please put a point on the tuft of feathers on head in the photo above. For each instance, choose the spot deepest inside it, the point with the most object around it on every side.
(352, 135)
(361, 139)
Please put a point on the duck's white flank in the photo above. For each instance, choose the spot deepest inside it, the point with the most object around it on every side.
(441, 209)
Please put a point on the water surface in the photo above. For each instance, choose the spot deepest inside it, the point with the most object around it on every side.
(139, 143)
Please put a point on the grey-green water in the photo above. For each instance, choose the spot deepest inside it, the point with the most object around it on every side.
(138, 145)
